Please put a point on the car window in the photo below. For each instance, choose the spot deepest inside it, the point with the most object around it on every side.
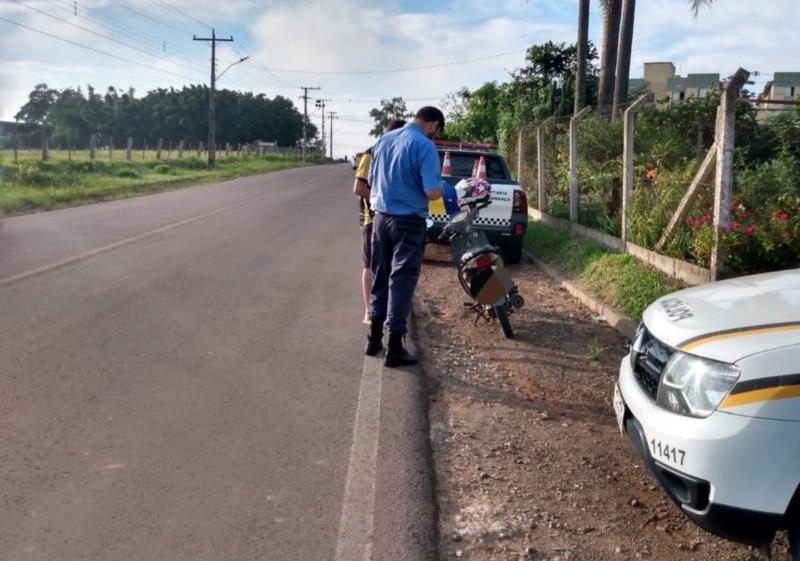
(462, 165)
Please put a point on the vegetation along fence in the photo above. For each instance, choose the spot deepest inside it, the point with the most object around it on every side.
(668, 184)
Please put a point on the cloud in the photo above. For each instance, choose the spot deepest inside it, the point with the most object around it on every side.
(362, 35)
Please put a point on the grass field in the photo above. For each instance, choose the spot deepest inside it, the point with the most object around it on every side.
(613, 278)
(73, 179)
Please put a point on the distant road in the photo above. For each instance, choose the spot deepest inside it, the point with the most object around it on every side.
(179, 380)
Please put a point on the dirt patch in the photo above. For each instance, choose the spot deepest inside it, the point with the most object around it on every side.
(529, 461)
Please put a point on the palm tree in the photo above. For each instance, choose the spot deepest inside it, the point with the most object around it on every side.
(697, 4)
(612, 11)
(582, 55)
(624, 55)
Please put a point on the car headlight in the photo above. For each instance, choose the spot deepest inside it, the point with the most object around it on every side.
(695, 386)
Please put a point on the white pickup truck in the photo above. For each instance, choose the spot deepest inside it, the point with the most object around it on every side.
(506, 219)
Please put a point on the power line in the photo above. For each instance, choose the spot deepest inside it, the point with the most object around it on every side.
(178, 11)
(148, 16)
(394, 70)
(142, 37)
(107, 37)
(99, 51)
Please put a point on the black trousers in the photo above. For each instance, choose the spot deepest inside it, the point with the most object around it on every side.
(398, 244)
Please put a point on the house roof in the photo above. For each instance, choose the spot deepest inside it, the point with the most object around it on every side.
(786, 79)
(680, 83)
(635, 84)
(702, 80)
(676, 84)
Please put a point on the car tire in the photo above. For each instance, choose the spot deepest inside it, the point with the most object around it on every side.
(512, 252)
(794, 539)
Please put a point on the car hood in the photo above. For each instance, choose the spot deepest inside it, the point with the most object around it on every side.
(731, 319)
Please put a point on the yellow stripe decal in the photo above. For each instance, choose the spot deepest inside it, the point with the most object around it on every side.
(742, 333)
(767, 394)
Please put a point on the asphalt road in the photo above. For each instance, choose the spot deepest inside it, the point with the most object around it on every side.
(181, 378)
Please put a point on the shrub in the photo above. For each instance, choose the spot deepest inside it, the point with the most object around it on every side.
(162, 169)
(128, 172)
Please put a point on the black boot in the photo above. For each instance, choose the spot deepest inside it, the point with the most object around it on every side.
(374, 339)
(396, 354)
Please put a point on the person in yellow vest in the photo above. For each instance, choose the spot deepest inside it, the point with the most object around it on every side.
(361, 188)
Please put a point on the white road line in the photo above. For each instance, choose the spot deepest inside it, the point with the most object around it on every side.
(356, 525)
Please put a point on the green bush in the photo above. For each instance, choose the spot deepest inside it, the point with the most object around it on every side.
(35, 173)
(615, 278)
(193, 163)
(162, 169)
(127, 172)
(669, 145)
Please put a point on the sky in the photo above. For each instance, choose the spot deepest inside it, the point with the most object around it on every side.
(359, 51)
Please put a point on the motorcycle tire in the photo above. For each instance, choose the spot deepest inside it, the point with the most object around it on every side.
(502, 317)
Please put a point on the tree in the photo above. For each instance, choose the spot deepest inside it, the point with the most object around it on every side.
(624, 56)
(168, 114)
(582, 54)
(612, 12)
(696, 5)
(390, 109)
(473, 116)
(37, 109)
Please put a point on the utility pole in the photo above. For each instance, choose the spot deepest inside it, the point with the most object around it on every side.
(212, 106)
(332, 116)
(305, 99)
(321, 105)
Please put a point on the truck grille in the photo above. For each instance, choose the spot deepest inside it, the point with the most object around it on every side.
(649, 356)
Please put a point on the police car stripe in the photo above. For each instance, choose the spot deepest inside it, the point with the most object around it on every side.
(764, 383)
(695, 342)
(765, 394)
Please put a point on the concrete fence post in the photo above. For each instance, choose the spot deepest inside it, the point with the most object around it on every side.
(45, 144)
(723, 178)
(200, 148)
(540, 174)
(520, 153)
(574, 196)
(111, 148)
(627, 160)
(92, 146)
(159, 147)
(16, 143)
(180, 149)
(129, 149)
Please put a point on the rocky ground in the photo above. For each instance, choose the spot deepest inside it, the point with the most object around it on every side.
(529, 461)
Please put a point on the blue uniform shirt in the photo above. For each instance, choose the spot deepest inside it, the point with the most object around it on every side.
(405, 166)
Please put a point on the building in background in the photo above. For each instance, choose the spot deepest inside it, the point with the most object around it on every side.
(784, 87)
(693, 85)
(667, 87)
(6, 134)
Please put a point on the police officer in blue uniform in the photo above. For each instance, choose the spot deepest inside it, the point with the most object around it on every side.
(405, 175)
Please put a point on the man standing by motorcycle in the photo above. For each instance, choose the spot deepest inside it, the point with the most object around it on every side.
(404, 176)
(361, 188)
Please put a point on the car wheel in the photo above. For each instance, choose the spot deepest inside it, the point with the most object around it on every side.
(794, 540)
(512, 252)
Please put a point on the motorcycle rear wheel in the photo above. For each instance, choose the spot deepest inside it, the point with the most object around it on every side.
(502, 317)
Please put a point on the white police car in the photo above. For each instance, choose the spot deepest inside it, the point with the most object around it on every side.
(710, 398)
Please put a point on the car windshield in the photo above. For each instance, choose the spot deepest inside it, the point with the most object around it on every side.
(463, 164)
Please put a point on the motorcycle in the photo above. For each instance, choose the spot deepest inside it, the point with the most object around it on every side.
(479, 265)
